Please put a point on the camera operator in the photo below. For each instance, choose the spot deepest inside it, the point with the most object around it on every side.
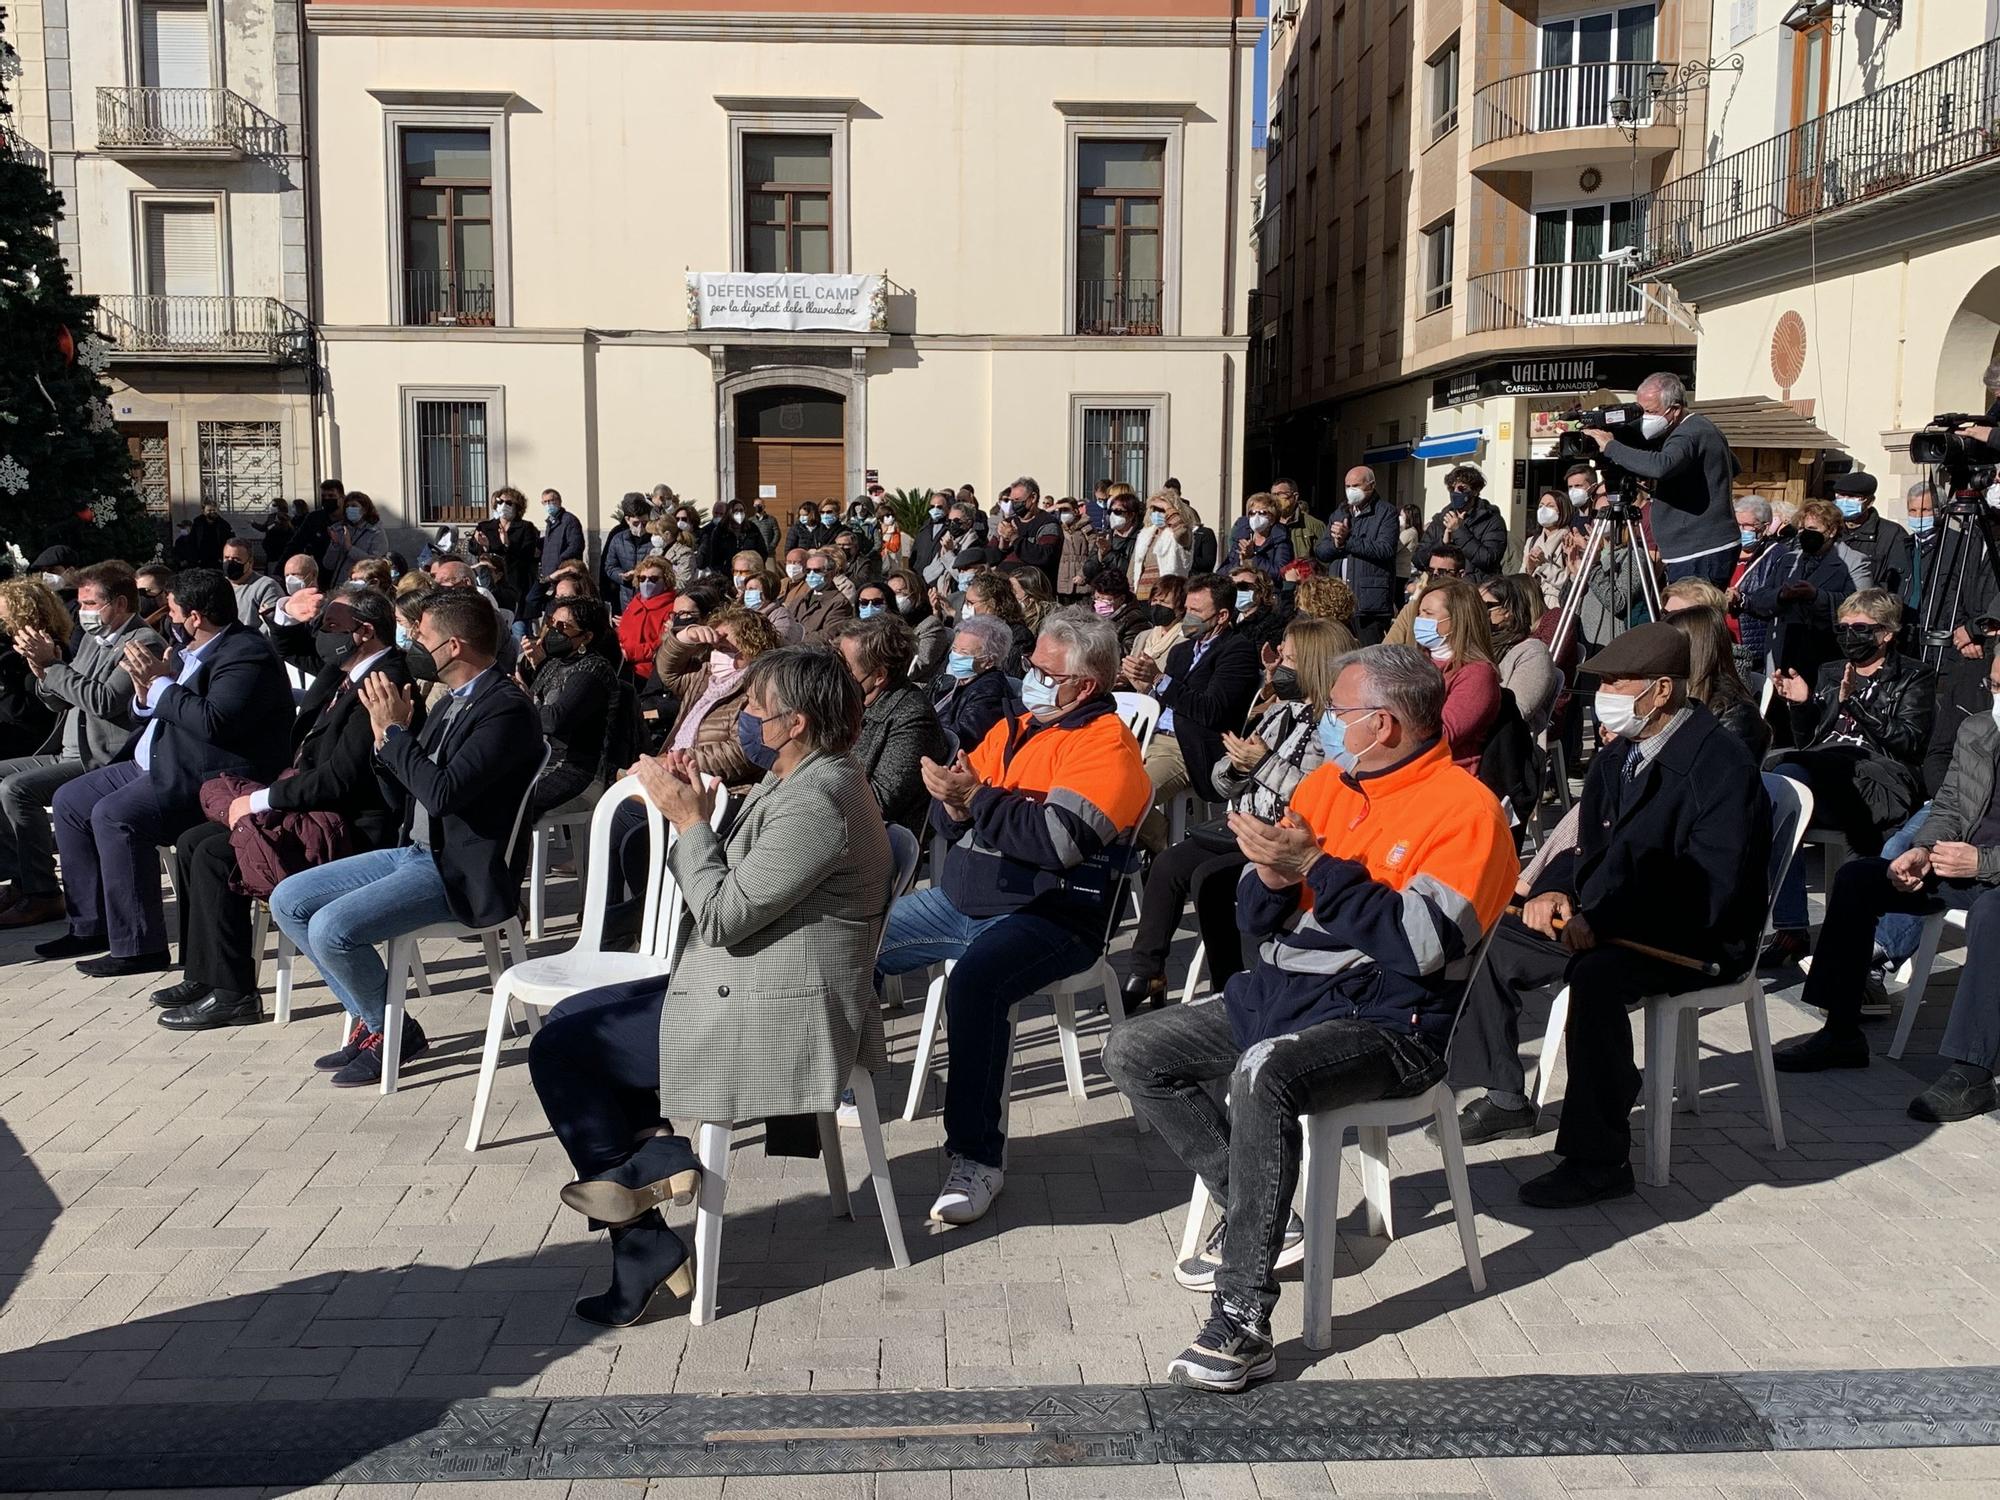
(1693, 517)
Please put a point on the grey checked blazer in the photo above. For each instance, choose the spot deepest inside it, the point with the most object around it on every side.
(95, 685)
(772, 999)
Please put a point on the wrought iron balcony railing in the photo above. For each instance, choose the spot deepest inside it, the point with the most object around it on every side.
(198, 120)
(1940, 120)
(1575, 96)
(448, 299)
(1565, 293)
(1114, 305)
(241, 328)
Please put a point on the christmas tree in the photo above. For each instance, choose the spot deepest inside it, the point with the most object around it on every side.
(64, 473)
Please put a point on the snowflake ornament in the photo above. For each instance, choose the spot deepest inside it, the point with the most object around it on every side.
(94, 355)
(13, 478)
(101, 419)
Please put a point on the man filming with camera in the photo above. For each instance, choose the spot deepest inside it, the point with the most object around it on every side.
(1689, 463)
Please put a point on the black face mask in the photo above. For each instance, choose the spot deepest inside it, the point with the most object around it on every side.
(1285, 684)
(556, 645)
(1810, 541)
(1858, 643)
(342, 642)
(423, 666)
(233, 569)
(178, 633)
(958, 526)
(1165, 614)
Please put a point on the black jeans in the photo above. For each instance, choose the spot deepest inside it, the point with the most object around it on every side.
(1603, 983)
(1248, 1153)
(1861, 894)
(1211, 875)
(595, 1065)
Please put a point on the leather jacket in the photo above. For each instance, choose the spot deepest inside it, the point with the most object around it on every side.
(1895, 719)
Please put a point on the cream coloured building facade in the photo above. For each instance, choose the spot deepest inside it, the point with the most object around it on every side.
(172, 129)
(510, 200)
(1841, 245)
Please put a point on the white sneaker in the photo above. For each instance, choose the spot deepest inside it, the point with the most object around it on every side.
(969, 1190)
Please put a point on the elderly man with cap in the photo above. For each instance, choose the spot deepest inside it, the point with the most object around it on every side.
(1882, 542)
(1673, 839)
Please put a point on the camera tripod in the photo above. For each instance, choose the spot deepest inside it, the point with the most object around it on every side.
(1619, 520)
(1953, 582)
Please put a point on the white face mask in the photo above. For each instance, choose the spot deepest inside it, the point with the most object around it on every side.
(1578, 495)
(1356, 494)
(1547, 516)
(1993, 496)
(1260, 522)
(1652, 424)
(1618, 713)
(795, 570)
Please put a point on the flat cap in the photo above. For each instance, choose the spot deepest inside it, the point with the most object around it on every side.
(968, 558)
(1657, 650)
(1862, 485)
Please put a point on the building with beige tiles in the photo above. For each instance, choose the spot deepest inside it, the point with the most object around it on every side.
(1446, 188)
(765, 251)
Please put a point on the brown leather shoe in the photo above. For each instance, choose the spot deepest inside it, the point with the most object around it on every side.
(33, 911)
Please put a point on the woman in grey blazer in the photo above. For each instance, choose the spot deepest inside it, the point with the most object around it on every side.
(772, 1000)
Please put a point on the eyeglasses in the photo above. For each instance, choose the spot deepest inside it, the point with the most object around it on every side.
(685, 619)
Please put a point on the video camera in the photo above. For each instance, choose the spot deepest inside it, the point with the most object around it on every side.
(1966, 464)
(1573, 447)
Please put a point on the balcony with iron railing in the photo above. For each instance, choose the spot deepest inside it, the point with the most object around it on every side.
(1856, 179)
(1119, 306)
(1563, 294)
(188, 124)
(448, 299)
(1555, 116)
(240, 330)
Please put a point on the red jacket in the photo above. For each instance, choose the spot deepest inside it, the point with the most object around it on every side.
(641, 628)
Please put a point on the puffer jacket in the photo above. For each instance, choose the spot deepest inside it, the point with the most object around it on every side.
(1965, 795)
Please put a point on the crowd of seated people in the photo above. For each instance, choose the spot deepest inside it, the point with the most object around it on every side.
(1315, 800)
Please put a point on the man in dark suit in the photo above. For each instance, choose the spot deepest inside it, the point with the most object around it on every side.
(219, 704)
(457, 788)
(332, 773)
(1673, 853)
(1204, 692)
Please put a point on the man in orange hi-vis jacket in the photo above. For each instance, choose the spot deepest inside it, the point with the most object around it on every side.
(1365, 905)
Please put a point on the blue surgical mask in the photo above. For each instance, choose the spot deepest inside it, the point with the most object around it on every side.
(964, 576)
(1848, 505)
(1921, 525)
(1748, 536)
(1426, 630)
(753, 598)
(649, 588)
(404, 640)
(1334, 740)
(937, 512)
(1244, 599)
(750, 739)
(815, 580)
(1156, 518)
(353, 514)
(961, 666)
(551, 511)
(1038, 690)
(869, 611)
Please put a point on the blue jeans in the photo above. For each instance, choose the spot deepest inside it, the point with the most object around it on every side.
(1000, 961)
(1896, 934)
(336, 914)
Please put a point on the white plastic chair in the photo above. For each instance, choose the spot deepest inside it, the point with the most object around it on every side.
(712, 1139)
(405, 961)
(1319, 1176)
(1062, 995)
(568, 824)
(1141, 713)
(540, 984)
(1673, 1038)
(1917, 972)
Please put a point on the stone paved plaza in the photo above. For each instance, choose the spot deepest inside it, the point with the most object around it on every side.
(203, 1219)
